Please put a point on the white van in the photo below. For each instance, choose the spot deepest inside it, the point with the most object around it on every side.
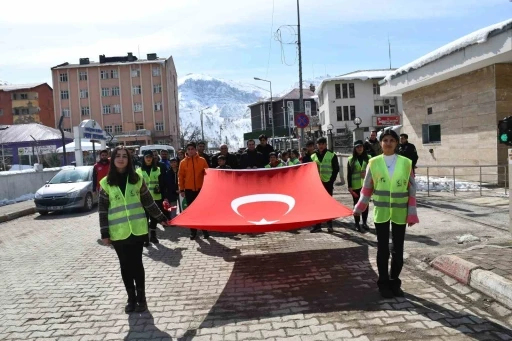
(158, 147)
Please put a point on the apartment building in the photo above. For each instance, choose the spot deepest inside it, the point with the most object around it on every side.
(357, 94)
(135, 100)
(26, 103)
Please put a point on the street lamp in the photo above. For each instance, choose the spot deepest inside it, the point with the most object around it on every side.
(358, 133)
(358, 121)
(330, 127)
(202, 131)
(271, 112)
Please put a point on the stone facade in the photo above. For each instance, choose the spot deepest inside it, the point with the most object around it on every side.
(467, 108)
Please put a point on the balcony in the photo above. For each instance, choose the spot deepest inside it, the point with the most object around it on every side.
(133, 133)
(25, 103)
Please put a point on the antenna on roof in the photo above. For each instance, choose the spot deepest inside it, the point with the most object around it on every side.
(389, 49)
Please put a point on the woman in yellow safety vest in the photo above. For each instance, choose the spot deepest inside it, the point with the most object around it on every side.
(356, 170)
(390, 180)
(122, 199)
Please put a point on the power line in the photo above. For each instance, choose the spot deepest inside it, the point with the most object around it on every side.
(270, 40)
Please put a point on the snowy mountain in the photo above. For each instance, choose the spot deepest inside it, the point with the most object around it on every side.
(227, 102)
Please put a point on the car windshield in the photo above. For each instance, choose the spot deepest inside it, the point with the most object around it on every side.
(70, 176)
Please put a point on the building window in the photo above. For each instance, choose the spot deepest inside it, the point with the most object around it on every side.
(345, 90)
(339, 114)
(158, 106)
(262, 117)
(63, 77)
(1, 112)
(159, 126)
(116, 109)
(156, 71)
(352, 112)
(64, 94)
(104, 74)
(391, 109)
(291, 113)
(337, 88)
(384, 109)
(431, 133)
(84, 93)
(113, 74)
(115, 91)
(82, 75)
(136, 72)
(307, 107)
(66, 112)
(105, 92)
(14, 96)
(136, 90)
(108, 129)
(345, 113)
(23, 96)
(85, 111)
(67, 129)
(106, 109)
(376, 89)
(118, 128)
(139, 126)
(351, 90)
(137, 107)
(24, 111)
(341, 131)
(157, 88)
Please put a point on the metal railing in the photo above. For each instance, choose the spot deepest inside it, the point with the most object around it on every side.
(497, 178)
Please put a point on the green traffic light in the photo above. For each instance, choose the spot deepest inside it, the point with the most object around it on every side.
(504, 137)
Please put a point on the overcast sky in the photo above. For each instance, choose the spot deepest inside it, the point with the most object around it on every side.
(232, 39)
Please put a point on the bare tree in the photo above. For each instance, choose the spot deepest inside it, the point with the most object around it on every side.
(188, 133)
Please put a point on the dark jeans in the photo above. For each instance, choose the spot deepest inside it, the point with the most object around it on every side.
(191, 195)
(383, 251)
(329, 187)
(365, 213)
(152, 222)
(129, 252)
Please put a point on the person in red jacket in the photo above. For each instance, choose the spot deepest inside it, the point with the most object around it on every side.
(100, 169)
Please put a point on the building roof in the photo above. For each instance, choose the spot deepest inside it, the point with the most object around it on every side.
(292, 94)
(94, 64)
(14, 87)
(361, 75)
(22, 133)
(477, 37)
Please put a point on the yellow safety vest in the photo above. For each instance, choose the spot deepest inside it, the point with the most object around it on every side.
(390, 196)
(125, 212)
(293, 162)
(280, 164)
(324, 167)
(151, 181)
(357, 169)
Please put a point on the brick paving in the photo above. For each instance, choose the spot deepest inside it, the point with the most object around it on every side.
(495, 258)
(59, 283)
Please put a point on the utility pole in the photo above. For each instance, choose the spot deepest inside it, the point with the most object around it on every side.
(301, 94)
(202, 130)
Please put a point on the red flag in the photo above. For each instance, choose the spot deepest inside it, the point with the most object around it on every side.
(261, 200)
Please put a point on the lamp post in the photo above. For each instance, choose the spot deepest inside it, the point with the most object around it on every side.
(202, 130)
(271, 112)
(330, 127)
(3, 155)
(358, 133)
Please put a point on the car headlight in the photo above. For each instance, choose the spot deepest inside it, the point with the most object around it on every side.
(72, 194)
(38, 195)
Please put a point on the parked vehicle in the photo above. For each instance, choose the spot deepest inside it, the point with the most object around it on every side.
(70, 188)
(158, 147)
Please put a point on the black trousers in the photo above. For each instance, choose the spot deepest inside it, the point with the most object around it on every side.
(191, 195)
(329, 187)
(129, 252)
(152, 222)
(383, 250)
(365, 213)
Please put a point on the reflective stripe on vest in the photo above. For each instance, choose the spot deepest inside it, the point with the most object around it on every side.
(324, 167)
(357, 169)
(390, 196)
(151, 181)
(126, 214)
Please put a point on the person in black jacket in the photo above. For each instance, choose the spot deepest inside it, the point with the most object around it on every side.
(201, 146)
(407, 150)
(171, 189)
(251, 158)
(264, 148)
(310, 147)
(231, 159)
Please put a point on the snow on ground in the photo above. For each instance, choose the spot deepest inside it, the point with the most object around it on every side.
(29, 170)
(24, 197)
(444, 184)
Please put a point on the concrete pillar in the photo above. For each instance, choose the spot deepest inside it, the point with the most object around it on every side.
(358, 134)
(509, 189)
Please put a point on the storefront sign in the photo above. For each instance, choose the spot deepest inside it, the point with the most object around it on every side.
(90, 129)
(37, 149)
(387, 120)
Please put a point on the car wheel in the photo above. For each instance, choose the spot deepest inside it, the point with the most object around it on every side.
(42, 212)
(88, 202)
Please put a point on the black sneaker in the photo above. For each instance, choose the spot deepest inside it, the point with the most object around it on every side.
(395, 288)
(146, 243)
(206, 235)
(358, 227)
(153, 239)
(130, 307)
(386, 293)
(193, 236)
(141, 306)
(330, 229)
(316, 229)
(366, 227)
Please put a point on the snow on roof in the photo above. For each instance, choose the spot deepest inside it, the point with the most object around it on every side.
(362, 75)
(14, 87)
(22, 132)
(93, 64)
(477, 37)
(290, 94)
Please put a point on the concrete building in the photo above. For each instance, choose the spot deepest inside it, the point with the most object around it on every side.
(26, 103)
(357, 94)
(454, 97)
(134, 100)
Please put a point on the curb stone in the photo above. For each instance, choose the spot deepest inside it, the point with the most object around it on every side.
(455, 267)
(18, 214)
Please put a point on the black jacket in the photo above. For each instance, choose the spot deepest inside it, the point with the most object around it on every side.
(207, 158)
(171, 180)
(230, 160)
(252, 159)
(265, 151)
(408, 150)
(334, 164)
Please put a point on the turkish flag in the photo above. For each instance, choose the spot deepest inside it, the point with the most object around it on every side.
(261, 200)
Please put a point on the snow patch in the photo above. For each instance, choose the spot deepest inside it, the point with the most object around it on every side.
(438, 184)
(477, 37)
(467, 238)
(24, 197)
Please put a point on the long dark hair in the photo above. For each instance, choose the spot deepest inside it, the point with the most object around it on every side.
(113, 178)
(364, 154)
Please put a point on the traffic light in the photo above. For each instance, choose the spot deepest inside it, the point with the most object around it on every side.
(505, 131)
